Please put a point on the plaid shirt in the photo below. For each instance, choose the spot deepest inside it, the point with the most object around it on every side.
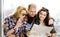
(10, 22)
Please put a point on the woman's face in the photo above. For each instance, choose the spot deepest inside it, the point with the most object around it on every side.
(42, 15)
(23, 13)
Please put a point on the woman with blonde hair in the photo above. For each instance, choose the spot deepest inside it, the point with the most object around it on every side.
(14, 25)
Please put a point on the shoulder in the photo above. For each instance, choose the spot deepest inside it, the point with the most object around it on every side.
(9, 19)
(35, 25)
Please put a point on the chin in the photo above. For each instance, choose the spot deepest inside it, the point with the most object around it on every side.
(41, 19)
(32, 16)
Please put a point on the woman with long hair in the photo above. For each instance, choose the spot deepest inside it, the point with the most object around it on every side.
(14, 25)
(42, 20)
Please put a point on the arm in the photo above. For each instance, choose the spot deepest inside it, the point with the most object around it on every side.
(9, 32)
(53, 32)
(18, 24)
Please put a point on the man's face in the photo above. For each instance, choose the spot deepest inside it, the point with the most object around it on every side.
(51, 21)
(32, 12)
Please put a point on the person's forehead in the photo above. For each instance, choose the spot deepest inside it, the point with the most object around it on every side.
(33, 9)
(43, 12)
(32, 5)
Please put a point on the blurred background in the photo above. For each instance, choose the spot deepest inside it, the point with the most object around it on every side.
(8, 6)
(0, 18)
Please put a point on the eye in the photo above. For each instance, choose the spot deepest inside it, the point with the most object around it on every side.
(44, 15)
(31, 11)
(40, 13)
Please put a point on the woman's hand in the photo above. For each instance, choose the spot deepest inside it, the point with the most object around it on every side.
(28, 33)
(18, 24)
(48, 33)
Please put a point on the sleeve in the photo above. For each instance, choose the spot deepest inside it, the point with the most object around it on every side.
(52, 31)
(28, 26)
(6, 22)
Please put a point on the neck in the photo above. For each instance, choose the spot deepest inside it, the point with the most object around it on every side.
(41, 22)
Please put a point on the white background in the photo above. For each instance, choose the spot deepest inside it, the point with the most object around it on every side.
(52, 5)
(8, 6)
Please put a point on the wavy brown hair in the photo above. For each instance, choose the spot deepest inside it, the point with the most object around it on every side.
(47, 17)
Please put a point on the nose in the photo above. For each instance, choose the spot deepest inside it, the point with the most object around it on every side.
(42, 16)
